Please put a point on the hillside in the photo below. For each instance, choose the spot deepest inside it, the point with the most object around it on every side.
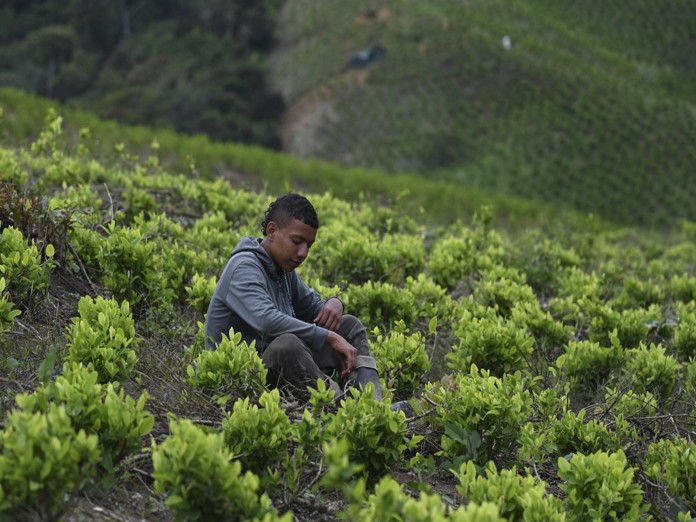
(23, 117)
(588, 107)
(549, 356)
(591, 106)
(552, 371)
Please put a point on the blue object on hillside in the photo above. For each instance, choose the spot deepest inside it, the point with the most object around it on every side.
(368, 56)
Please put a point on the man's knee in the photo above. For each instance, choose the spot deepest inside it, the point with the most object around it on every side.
(353, 331)
(285, 347)
(350, 321)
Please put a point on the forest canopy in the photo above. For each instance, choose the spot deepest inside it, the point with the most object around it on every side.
(195, 66)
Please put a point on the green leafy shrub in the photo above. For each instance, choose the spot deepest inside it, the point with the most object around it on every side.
(197, 345)
(535, 444)
(321, 396)
(632, 326)
(652, 370)
(402, 359)
(350, 253)
(684, 342)
(380, 219)
(304, 450)
(554, 429)
(258, 436)
(573, 313)
(453, 259)
(587, 365)
(682, 288)
(212, 235)
(403, 256)
(21, 265)
(543, 260)
(43, 459)
(340, 471)
(80, 198)
(86, 242)
(579, 285)
(239, 206)
(600, 487)
(347, 253)
(390, 502)
(573, 433)
(502, 290)
(380, 304)
(7, 311)
(200, 291)
(689, 376)
(137, 200)
(479, 414)
(630, 403)
(125, 259)
(517, 497)
(456, 258)
(549, 335)
(159, 226)
(14, 171)
(375, 433)
(196, 472)
(233, 365)
(103, 338)
(177, 263)
(168, 285)
(672, 462)
(104, 410)
(430, 299)
(47, 141)
(491, 342)
(638, 293)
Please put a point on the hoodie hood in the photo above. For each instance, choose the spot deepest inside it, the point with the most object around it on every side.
(253, 245)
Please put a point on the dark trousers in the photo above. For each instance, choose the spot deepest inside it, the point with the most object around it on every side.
(292, 366)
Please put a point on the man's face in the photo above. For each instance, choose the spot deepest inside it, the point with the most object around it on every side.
(289, 246)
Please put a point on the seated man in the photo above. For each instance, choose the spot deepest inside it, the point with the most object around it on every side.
(299, 336)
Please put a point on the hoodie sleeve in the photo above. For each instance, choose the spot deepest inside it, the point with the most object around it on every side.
(249, 296)
(306, 301)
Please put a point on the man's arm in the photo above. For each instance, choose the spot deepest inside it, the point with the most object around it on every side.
(248, 296)
(310, 307)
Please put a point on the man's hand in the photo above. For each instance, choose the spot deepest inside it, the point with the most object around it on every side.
(330, 315)
(347, 353)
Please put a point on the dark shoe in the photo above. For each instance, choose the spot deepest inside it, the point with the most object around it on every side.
(403, 406)
(365, 373)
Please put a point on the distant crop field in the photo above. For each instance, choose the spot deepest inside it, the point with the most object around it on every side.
(589, 106)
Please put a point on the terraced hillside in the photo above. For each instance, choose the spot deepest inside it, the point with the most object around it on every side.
(591, 105)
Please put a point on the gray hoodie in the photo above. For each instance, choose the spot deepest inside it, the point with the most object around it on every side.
(257, 299)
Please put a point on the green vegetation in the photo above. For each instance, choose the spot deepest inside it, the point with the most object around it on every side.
(590, 105)
(550, 369)
(587, 108)
(254, 168)
(549, 356)
(196, 67)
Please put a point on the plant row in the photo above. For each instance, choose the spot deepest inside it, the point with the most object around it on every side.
(552, 375)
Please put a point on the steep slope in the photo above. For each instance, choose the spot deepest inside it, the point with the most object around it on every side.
(592, 107)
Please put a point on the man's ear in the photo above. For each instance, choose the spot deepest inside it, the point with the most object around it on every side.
(271, 229)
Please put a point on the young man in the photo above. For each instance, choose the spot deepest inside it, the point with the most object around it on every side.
(300, 337)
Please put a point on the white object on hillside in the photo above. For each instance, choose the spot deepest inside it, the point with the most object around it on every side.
(507, 42)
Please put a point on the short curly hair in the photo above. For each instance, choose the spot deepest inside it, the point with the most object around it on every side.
(288, 207)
